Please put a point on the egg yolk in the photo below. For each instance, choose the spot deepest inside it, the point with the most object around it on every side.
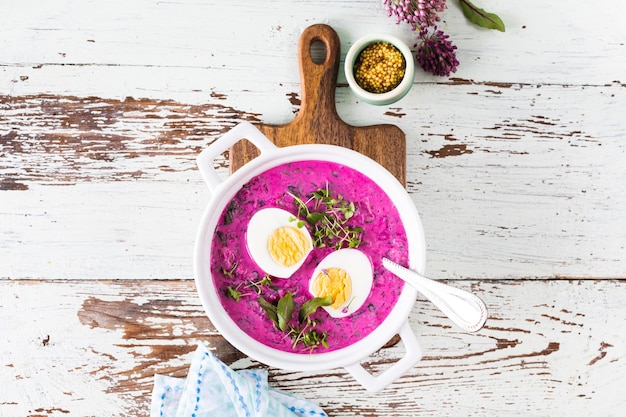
(288, 245)
(334, 282)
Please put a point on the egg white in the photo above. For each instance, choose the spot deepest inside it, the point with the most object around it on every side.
(262, 224)
(359, 268)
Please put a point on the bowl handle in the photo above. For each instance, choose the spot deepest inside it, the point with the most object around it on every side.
(413, 353)
(244, 130)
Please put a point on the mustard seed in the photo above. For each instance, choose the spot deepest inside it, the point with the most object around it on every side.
(379, 68)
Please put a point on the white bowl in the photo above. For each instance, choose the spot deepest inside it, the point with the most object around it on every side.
(380, 98)
(349, 357)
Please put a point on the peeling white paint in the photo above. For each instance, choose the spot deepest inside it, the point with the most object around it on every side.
(516, 165)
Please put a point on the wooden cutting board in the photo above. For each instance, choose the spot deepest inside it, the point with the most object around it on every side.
(317, 120)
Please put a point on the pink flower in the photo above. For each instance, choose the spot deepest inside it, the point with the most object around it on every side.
(436, 54)
(420, 14)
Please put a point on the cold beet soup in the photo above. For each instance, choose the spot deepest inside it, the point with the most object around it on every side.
(278, 312)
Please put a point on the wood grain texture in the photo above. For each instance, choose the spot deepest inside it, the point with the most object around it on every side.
(515, 163)
(92, 348)
(317, 120)
(89, 48)
(67, 140)
(530, 191)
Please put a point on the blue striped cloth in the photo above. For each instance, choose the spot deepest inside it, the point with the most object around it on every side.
(213, 389)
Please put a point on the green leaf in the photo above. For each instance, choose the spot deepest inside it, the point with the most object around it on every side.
(284, 310)
(313, 218)
(230, 212)
(270, 310)
(312, 305)
(480, 17)
(232, 292)
(324, 341)
(349, 212)
(321, 193)
(267, 280)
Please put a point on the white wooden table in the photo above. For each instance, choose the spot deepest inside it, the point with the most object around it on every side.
(517, 165)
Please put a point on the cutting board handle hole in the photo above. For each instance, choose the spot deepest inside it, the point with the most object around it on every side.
(318, 51)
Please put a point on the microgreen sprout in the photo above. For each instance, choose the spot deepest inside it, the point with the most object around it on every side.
(258, 285)
(307, 335)
(230, 272)
(234, 292)
(250, 287)
(304, 331)
(345, 309)
(327, 217)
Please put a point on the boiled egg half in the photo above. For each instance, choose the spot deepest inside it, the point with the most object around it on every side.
(276, 243)
(346, 276)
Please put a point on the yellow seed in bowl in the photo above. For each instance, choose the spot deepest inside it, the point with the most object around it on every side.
(379, 68)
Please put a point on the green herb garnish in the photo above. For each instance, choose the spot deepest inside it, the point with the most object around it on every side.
(230, 272)
(233, 293)
(230, 212)
(249, 288)
(304, 332)
(328, 218)
(284, 309)
(271, 311)
(257, 286)
(312, 305)
(308, 336)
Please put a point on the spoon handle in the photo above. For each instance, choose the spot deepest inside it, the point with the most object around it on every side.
(464, 308)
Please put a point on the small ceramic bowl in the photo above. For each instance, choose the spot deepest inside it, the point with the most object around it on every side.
(400, 90)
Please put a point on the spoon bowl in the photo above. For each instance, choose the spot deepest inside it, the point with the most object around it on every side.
(463, 308)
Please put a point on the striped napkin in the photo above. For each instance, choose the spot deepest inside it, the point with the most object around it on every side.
(213, 389)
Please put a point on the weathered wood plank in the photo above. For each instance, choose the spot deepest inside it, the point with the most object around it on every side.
(516, 165)
(92, 348)
(89, 47)
(66, 140)
(514, 186)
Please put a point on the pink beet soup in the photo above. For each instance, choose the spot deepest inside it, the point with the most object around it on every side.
(232, 267)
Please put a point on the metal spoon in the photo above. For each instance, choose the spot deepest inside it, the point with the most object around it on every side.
(464, 308)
